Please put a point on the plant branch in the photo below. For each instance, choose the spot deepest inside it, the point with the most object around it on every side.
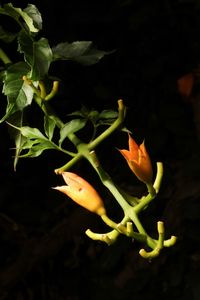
(3, 56)
(118, 122)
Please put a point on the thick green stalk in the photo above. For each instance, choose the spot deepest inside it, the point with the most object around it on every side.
(107, 181)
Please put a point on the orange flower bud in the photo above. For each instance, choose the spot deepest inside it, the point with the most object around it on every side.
(80, 191)
(138, 161)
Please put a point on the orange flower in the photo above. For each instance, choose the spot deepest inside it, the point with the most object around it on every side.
(80, 191)
(138, 161)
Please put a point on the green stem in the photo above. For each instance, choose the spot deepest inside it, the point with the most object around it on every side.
(69, 164)
(53, 91)
(159, 175)
(109, 237)
(77, 142)
(152, 190)
(128, 209)
(48, 110)
(121, 228)
(133, 216)
(107, 181)
(161, 234)
(64, 151)
(6, 60)
(43, 92)
(112, 128)
(84, 149)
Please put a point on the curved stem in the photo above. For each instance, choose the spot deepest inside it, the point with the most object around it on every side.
(156, 186)
(107, 181)
(69, 164)
(159, 175)
(109, 237)
(42, 89)
(3, 56)
(53, 92)
(119, 227)
(112, 128)
(83, 149)
(128, 209)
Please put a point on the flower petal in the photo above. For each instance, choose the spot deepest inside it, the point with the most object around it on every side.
(133, 148)
(145, 163)
(138, 171)
(138, 160)
(126, 154)
(80, 191)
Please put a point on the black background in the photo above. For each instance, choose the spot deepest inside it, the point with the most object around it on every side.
(44, 253)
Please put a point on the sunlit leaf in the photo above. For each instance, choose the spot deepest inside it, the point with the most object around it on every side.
(93, 116)
(28, 144)
(35, 142)
(35, 15)
(49, 126)
(71, 127)
(37, 149)
(18, 14)
(83, 112)
(71, 50)
(37, 54)
(124, 129)
(19, 93)
(17, 120)
(108, 114)
(32, 133)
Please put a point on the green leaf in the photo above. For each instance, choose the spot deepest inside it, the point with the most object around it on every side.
(83, 112)
(2, 76)
(37, 54)
(26, 14)
(19, 93)
(35, 142)
(93, 116)
(36, 149)
(108, 114)
(106, 117)
(71, 50)
(71, 127)
(35, 15)
(92, 57)
(17, 120)
(32, 133)
(28, 144)
(49, 126)
(124, 129)
(79, 51)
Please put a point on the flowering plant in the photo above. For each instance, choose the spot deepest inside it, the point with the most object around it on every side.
(27, 82)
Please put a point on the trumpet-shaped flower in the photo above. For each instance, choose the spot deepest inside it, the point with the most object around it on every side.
(80, 191)
(138, 160)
